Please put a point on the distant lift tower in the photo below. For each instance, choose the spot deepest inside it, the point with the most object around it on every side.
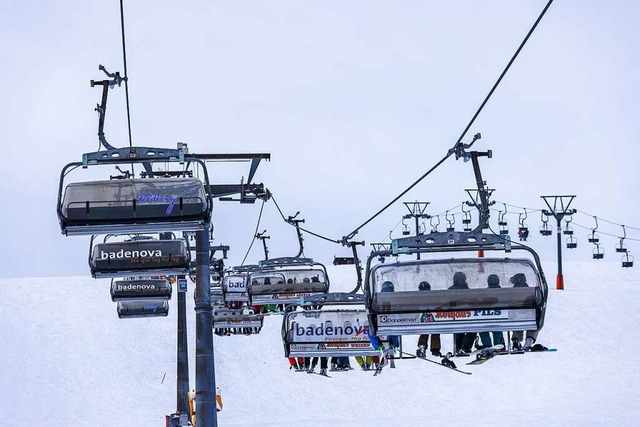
(559, 209)
(417, 211)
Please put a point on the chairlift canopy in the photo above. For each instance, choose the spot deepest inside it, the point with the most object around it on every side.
(131, 289)
(143, 308)
(134, 206)
(327, 333)
(134, 257)
(397, 306)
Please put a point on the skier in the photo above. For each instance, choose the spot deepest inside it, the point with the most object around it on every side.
(464, 341)
(493, 282)
(394, 340)
(423, 340)
(298, 365)
(364, 362)
(519, 280)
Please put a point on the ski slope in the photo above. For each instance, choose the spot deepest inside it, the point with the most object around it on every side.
(68, 360)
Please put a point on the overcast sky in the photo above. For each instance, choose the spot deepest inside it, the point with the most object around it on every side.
(354, 100)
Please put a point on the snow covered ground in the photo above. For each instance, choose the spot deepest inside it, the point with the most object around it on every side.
(68, 360)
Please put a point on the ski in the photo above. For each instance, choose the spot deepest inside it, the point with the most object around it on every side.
(453, 368)
(542, 351)
(318, 373)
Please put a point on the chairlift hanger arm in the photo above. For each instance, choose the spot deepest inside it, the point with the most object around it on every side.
(102, 107)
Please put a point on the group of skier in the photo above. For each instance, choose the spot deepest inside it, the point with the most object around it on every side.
(463, 342)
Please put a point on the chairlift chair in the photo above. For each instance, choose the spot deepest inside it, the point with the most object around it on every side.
(443, 308)
(452, 221)
(466, 219)
(142, 308)
(620, 247)
(405, 229)
(133, 205)
(136, 257)
(627, 260)
(502, 222)
(239, 321)
(598, 252)
(545, 229)
(140, 288)
(434, 226)
(327, 333)
(568, 230)
(572, 242)
(523, 230)
(286, 281)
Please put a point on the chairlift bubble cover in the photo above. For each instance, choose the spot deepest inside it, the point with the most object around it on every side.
(286, 285)
(143, 308)
(170, 256)
(234, 287)
(134, 200)
(137, 289)
(448, 307)
(228, 318)
(327, 333)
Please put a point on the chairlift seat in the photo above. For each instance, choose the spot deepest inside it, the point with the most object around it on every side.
(131, 258)
(236, 320)
(234, 287)
(286, 286)
(443, 309)
(327, 333)
(134, 206)
(142, 308)
(140, 289)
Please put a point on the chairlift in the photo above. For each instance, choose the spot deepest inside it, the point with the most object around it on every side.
(451, 221)
(327, 333)
(627, 260)
(567, 230)
(466, 219)
(405, 229)
(234, 287)
(523, 230)
(572, 242)
(434, 226)
(142, 308)
(545, 229)
(240, 321)
(140, 288)
(502, 222)
(133, 205)
(285, 281)
(620, 247)
(593, 237)
(417, 297)
(598, 252)
(138, 255)
(423, 227)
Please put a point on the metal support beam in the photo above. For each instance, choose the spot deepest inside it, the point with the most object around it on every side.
(182, 393)
(205, 364)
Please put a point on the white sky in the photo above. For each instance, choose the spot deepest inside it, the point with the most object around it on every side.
(354, 100)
